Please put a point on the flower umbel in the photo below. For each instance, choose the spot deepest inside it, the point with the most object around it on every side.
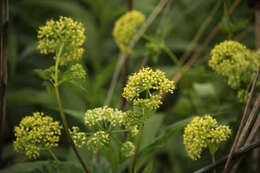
(203, 132)
(128, 149)
(147, 82)
(237, 63)
(35, 133)
(126, 27)
(65, 33)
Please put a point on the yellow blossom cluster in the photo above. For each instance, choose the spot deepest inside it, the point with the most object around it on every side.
(78, 137)
(35, 133)
(203, 132)
(147, 82)
(98, 140)
(126, 27)
(237, 63)
(65, 34)
(109, 117)
(128, 149)
(103, 122)
(78, 72)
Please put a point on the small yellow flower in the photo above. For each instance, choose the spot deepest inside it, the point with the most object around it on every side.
(35, 133)
(147, 82)
(64, 33)
(202, 132)
(126, 27)
(128, 149)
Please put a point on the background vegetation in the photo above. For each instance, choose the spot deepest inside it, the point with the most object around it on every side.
(198, 92)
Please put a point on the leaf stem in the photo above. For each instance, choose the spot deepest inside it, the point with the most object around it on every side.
(54, 156)
(138, 147)
(63, 118)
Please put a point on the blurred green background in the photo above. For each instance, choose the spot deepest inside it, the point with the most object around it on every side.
(200, 91)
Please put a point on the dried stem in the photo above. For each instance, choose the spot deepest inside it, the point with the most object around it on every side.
(200, 32)
(4, 38)
(242, 151)
(234, 146)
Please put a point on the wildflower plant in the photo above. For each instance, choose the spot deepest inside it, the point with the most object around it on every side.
(126, 27)
(236, 63)
(204, 132)
(36, 133)
(102, 123)
(63, 39)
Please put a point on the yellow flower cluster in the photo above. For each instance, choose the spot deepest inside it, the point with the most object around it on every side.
(64, 33)
(36, 133)
(126, 27)
(147, 82)
(78, 137)
(106, 116)
(78, 72)
(98, 140)
(128, 149)
(235, 62)
(202, 132)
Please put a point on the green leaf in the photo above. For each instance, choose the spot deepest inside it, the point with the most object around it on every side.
(204, 89)
(43, 167)
(149, 167)
(161, 140)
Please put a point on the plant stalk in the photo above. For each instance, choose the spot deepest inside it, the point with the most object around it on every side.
(63, 118)
(3, 83)
(139, 142)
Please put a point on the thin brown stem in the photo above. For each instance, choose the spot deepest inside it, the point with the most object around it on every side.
(63, 118)
(234, 146)
(201, 31)
(257, 29)
(3, 83)
(242, 151)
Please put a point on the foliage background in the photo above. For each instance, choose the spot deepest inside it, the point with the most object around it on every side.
(200, 91)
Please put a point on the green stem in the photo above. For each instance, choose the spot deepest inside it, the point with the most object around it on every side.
(138, 147)
(54, 156)
(173, 57)
(213, 160)
(63, 118)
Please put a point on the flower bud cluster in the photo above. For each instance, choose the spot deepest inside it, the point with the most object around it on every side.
(35, 133)
(128, 149)
(237, 63)
(126, 27)
(78, 72)
(64, 33)
(102, 123)
(147, 82)
(202, 132)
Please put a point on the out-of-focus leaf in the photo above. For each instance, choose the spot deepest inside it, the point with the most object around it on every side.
(204, 89)
(149, 167)
(44, 167)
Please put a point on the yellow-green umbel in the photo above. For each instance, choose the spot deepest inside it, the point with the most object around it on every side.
(65, 34)
(35, 133)
(126, 27)
(147, 82)
(203, 132)
(238, 64)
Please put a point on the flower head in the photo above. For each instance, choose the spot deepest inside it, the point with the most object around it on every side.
(147, 82)
(98, 140)
(128, 149)
(104, 117)
(64, 33)
(35, 133)
(126, 27)
(77, 72)
(202, 132)
(78, 137)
